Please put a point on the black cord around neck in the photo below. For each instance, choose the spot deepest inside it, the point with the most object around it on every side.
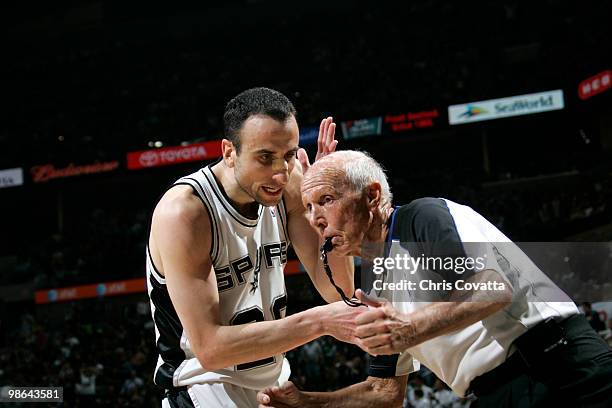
(325, 248)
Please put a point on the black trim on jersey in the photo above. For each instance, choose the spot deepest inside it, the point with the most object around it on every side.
(170, 331)
(222, 189)
(282, 213)
(224, 198)
(426, 227)
(383, 366)
(216, 239)
(179, 398)
(278, 315)
(153, 263)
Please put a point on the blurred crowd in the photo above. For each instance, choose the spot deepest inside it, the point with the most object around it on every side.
(108, 245)
(98, 362)
(110, 362)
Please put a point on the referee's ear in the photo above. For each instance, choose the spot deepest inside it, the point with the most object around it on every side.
(374, 193)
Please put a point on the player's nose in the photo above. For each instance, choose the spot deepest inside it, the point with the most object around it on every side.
(281, 172)
(281, 178)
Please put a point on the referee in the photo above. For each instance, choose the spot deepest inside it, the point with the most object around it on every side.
(514, 340)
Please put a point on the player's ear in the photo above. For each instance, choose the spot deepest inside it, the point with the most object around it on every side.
(228, 151)
(374, 194)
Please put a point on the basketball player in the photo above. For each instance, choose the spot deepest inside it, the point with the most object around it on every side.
(215, 259)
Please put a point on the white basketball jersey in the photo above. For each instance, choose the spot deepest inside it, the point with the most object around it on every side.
(248, 257)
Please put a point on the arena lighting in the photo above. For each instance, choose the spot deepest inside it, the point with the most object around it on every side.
(158, 143)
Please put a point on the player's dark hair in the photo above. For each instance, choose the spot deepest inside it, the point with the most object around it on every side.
(254, 101)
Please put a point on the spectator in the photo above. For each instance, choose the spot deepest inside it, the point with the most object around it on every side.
(593, 317)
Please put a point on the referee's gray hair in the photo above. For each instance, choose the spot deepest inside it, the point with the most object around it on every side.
(361, 170)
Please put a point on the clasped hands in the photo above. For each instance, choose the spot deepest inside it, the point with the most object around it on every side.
(382, 329)
(377, 329)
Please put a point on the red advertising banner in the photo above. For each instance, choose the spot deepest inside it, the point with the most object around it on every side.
(293, 267)
(595, 85)
(173, 155)
(116, 288)
(90, 291)
(46, 172)
(411, 120)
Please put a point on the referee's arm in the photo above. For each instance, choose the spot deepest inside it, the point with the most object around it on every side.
(373, 392)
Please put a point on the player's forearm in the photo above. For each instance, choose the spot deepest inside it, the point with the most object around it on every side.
(371, 393)
(231, 345)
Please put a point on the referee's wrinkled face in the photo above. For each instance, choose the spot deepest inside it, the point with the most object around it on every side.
(333, 209)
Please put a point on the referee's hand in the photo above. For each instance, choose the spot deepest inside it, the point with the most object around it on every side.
(380, 329)
(285, 396)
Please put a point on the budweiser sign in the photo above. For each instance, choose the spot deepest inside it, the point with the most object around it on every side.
(174, 155)
(46, 172)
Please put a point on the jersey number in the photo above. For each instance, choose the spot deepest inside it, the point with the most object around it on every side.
(255, 314)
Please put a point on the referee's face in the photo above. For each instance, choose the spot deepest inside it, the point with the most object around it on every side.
(266, 159)
(334, 210)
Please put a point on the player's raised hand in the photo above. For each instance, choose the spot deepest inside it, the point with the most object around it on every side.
(285, 396)
(382, 329)
(326, 143)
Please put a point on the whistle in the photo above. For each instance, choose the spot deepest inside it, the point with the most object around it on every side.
(327, 245)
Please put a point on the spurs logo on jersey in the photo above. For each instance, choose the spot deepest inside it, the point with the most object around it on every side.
(248, 257)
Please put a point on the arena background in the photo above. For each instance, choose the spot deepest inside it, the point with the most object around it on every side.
(88, 83)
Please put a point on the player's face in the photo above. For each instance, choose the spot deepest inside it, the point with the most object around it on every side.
(267, 157)
(335, 211)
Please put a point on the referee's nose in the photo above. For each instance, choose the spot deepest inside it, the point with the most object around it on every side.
(317, 220)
